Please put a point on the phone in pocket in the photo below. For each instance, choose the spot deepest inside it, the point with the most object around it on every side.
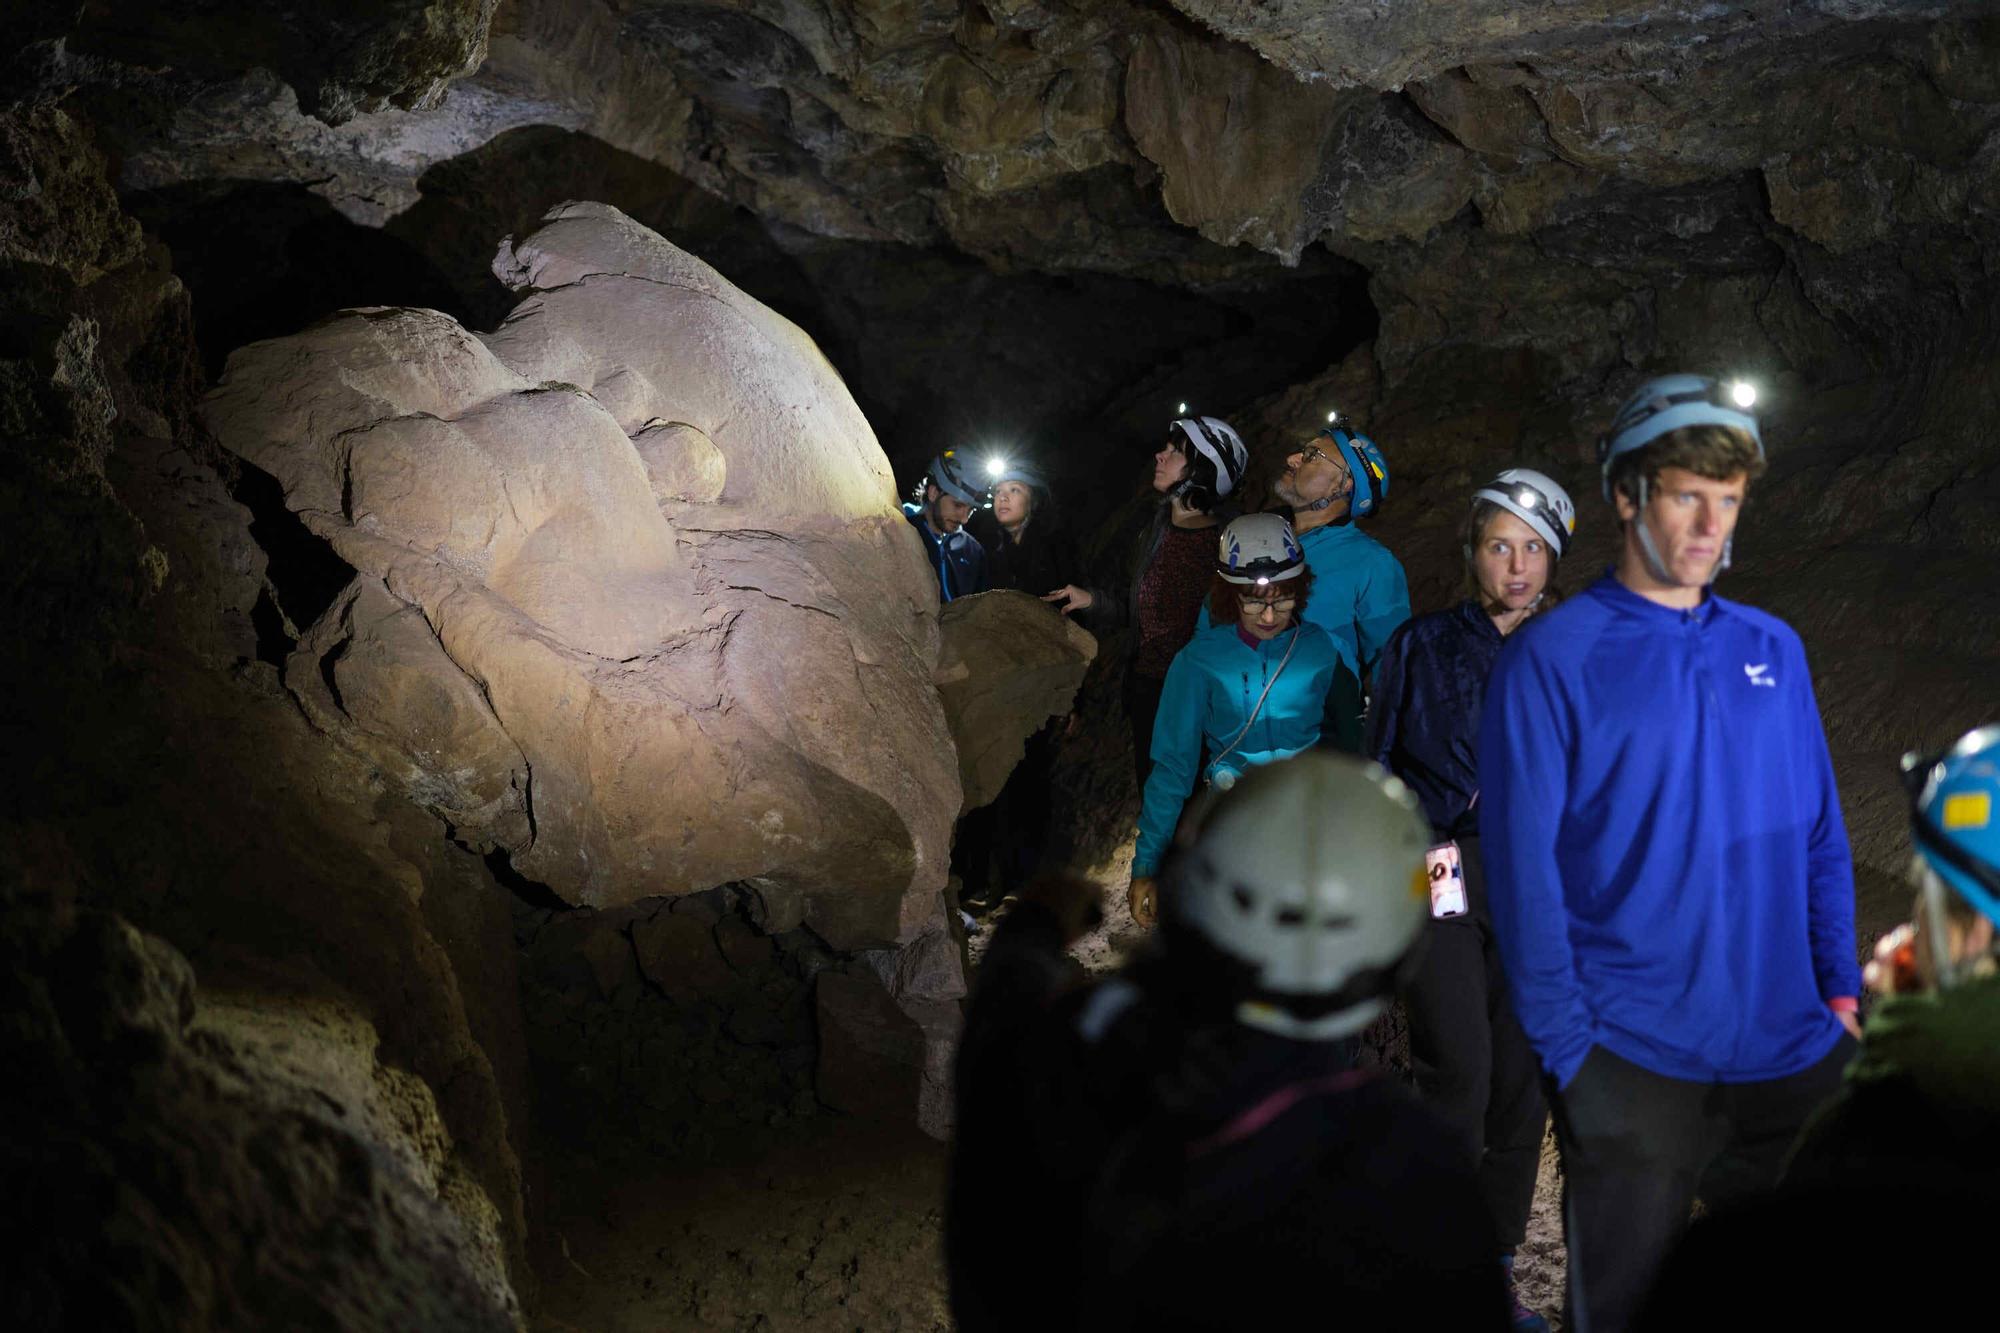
(1447, 874)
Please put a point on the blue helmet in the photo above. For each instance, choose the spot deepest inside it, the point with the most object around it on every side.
(1666, 404)
(954, 476)
(1364, 461)
(1955, 816)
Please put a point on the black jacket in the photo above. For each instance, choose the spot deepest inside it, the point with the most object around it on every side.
(1043, 559)
(1095, 1183)
(1423, 721)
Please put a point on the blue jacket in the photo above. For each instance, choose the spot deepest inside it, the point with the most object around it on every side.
(1209, 691)
(1666, 865)
(1359, 592)
(1423, 716)
(956, 558)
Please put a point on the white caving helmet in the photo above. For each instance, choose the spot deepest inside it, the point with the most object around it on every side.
(1535, 499)
(1259, 549)
(1309, 871)
(1217, 456)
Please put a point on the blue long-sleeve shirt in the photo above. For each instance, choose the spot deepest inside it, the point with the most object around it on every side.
(1209, 692)
(1359, 594)
(1667, 868)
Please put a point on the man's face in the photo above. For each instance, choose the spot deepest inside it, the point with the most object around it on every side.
(948, 513)
(1170, 467)
(1011, 501)
(1312, 474)
(1691, 519)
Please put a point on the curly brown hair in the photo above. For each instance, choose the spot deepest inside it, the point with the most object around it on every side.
(1225, 599)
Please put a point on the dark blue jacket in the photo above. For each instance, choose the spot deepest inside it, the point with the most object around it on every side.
(956, 558)
(1667, 868)
(1423, 720)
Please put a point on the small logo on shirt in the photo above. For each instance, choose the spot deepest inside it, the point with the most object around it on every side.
(1757, 676)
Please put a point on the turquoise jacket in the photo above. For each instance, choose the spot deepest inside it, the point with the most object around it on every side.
(1210, 689)
(1359, 593)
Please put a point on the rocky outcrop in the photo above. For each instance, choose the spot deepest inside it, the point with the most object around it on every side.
(667, 626)
(190, 1164)
(1008, 664)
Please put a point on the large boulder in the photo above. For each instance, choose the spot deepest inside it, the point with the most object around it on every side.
(667, 627)
(1009, 664)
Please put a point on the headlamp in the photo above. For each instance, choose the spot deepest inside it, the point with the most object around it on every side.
(995, 466)
(1743, 393)
(1181, 411)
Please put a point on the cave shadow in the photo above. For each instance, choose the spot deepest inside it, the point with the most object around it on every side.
(262, 260)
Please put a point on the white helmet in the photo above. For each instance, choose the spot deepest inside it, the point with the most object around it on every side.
(1217, 456)
(1535, 499)
(1310, 871)
(1259, 548)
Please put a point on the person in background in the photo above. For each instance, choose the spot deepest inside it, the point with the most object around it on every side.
(1257, 685)
(1194, 473)
(1472, 1062)
(1667, 867)
(1337, 477)
(1027, 550)
(949, 496)
(1186, 1145)
(1900, 1165)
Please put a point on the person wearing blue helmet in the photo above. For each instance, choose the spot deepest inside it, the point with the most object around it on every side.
(950, 494)
(1337, 477)
(1907, 1143)
(1667, 866)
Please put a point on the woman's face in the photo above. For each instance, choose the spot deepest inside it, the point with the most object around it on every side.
(1510, 563)
(1011, 502)
(1267, 610)
(1170, 467)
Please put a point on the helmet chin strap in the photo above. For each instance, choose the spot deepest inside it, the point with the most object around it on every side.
(1649, 549)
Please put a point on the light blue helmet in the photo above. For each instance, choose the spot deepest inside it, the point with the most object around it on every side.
(953, 474)
(1365, 464)
(1955, 816)
(1666, 404)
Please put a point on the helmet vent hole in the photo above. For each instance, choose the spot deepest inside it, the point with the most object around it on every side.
(1291, 918)
(1337, 923)
(1245, 902)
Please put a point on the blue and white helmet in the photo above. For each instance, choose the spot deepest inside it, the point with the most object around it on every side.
(1955, 816)
(1259, 549)
(1667, 404)
(1364, 461)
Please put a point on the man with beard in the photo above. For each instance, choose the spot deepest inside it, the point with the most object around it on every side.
(1360, 594)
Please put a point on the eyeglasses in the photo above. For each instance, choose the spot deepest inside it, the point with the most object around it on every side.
(1312, 451)
(1257, 606)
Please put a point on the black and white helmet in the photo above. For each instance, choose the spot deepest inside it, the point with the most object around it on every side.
(1310, 872)
(1258, 549)
(1535, 499)
(1216, 454)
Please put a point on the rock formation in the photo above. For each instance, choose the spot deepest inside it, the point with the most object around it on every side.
(1008, 664)
(634, 601)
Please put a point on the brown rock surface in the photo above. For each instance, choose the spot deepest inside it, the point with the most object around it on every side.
(1008, 664)
(499, 487)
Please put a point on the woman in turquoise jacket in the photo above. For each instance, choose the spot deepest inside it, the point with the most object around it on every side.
(1258, 684)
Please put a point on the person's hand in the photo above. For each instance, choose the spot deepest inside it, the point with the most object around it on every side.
(1144, 899)
(1893, 969)
(1849, 1020)
(1070, 599)
(1071, 725)
(1076, 903)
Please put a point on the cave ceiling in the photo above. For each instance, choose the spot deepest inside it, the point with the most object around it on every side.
(1541, 175)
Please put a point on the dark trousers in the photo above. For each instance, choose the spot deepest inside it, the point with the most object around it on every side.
(1472, 1062)
(1010, 836)
(1638, 1149)
(1142, 706)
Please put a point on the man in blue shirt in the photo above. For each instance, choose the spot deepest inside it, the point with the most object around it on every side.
(1360, 594)
(1668, 872)
(950, 496)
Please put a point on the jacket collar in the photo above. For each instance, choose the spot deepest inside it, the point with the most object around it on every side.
(1474, 616)
(1622, 599)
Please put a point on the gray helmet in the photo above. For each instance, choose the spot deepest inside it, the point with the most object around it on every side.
(953, 475)
(1667, 404)
(1535, 499)
(1310, 871)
